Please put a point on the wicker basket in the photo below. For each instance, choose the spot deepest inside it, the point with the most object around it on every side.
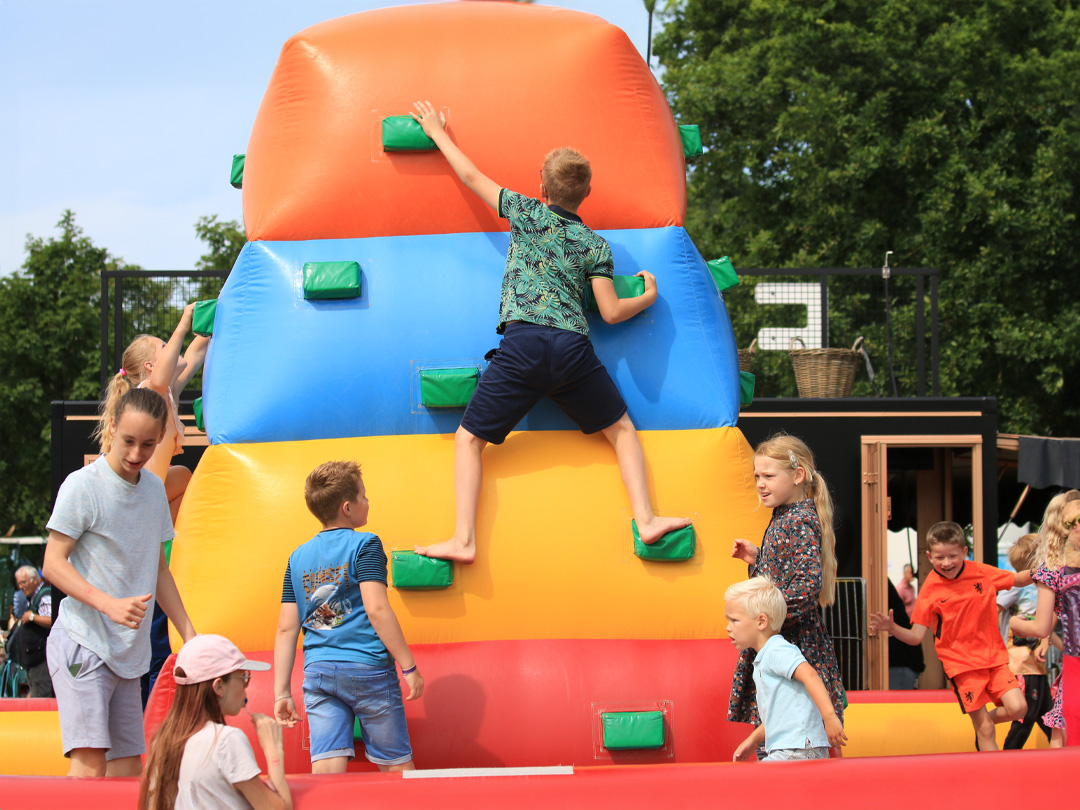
(746, 356)
(825, 372)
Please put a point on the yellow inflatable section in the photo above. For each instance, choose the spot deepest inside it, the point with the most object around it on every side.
(555, 550)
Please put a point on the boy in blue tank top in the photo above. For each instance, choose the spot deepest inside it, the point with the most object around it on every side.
(335, 591)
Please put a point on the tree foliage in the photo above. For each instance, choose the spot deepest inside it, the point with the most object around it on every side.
(49, 331)
(944, 130)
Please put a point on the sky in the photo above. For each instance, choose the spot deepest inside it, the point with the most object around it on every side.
(128, 112)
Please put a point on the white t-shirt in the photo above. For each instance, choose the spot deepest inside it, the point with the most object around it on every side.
(216, 757)
(118, 528)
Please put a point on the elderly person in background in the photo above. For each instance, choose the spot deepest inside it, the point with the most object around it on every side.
(36, 622)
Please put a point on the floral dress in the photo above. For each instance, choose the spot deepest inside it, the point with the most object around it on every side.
(1065, 583)
(790, 556)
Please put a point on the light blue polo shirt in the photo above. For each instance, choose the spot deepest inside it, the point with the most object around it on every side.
(791, 719)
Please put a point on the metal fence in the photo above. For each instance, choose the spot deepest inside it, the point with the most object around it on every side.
(136, 302)
(845, 620)
(893, 311)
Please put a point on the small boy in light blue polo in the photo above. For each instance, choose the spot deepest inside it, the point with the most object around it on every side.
(798, 719)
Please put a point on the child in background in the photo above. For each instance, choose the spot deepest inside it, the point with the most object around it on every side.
(335, 589)
(1058, 580)
(958, 600)
(797, 716)
(152, 363)
(106, 552)
(799, 555)
(545, 350)
(1026, 656)
(196, 761)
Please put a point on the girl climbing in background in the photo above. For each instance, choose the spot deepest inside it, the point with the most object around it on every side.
(152, 363)
(197, 761)
(1058, 581)
(798, 554)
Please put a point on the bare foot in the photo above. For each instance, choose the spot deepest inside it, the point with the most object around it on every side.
(659, 526)
(453, 549)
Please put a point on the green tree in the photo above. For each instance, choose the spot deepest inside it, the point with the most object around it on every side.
(49, 334)
(944, 130)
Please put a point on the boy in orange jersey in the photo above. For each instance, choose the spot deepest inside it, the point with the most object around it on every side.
(958, 600)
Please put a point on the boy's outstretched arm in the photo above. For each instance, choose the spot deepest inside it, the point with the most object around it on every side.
(288, 631)
(386, 625)
(616, 310)
(749, 745)
(808, 677)
(434, 124)
(913, 636)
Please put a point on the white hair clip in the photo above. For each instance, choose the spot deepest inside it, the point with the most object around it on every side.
(794, 461)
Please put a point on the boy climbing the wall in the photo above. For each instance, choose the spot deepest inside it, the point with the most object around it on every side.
(545, 349)
(959, 601)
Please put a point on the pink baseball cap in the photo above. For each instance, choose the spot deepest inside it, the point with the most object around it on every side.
(206, 657)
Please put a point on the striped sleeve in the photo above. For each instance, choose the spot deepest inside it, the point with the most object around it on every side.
(371, 562)
(287, 594)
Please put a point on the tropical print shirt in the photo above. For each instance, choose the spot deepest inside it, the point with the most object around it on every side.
(552, 256)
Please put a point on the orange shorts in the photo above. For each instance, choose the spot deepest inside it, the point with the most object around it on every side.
(977, 687)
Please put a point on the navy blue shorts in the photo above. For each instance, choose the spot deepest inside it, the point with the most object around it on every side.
(536, 361)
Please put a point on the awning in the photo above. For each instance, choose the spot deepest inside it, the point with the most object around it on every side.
(1045, 462)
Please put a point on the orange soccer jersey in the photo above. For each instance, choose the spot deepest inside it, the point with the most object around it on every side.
(962, 615)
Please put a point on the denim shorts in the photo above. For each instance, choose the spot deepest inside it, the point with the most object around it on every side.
(337, 691)
(534, 362)
(97, 708)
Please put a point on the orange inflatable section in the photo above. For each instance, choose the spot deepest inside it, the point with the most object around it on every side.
(315, 167)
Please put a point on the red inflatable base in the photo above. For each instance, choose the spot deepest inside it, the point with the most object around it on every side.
(953, 780)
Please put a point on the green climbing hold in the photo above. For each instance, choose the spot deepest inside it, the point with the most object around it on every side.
(632, 730)
(625, 287)
(448, 387)
(237, 177)
(412, 571)
(691, 142)
(723, 273)
(202, 319)
(675, 546)
(403, 133)
(746, 387)
(323, 280)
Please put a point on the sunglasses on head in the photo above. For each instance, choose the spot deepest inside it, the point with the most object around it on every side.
(1070, 523)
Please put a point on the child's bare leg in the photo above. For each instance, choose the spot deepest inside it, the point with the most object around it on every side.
(1013, 707)
(176, 484)
(331, 765)
(624, 439)
(984, 729)
(91, 762)
(468, 477)
(404, 766)
(1057, 738)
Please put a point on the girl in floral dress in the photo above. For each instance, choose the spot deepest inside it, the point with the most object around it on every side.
(798, 554)
(1058, 580)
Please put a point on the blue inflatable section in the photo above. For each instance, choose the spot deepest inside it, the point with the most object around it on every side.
(282, 368)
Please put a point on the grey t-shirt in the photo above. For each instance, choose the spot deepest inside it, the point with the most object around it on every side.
(118, 528)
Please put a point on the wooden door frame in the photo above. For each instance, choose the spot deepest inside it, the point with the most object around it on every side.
(875, 523)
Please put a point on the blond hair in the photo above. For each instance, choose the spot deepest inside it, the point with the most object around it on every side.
(760, 597)
(566, 175)
(793, 454)
(132, 372)
(329, 485)
(1052, 534)
(1023, 554)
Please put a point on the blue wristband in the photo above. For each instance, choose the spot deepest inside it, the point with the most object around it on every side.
(409, 671)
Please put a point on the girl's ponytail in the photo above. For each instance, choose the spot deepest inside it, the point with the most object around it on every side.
(819, 491)
(131, 373)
